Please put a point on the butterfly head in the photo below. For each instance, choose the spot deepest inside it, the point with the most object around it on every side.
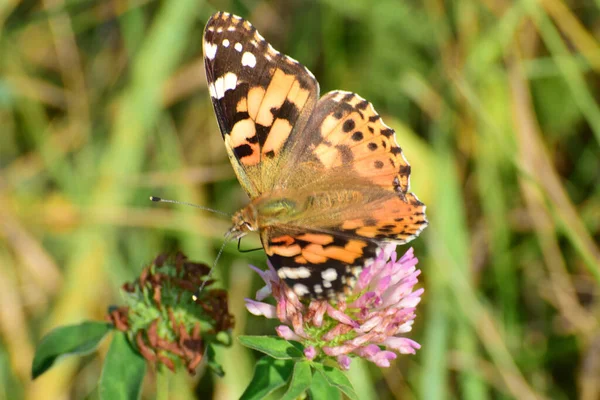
(243, 221)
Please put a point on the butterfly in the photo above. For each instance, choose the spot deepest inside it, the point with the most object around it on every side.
(327, 182)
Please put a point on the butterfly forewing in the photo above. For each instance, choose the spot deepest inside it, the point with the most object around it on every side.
(260, 96)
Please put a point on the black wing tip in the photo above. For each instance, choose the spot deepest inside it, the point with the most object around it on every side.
(223, 15)
(220, 21)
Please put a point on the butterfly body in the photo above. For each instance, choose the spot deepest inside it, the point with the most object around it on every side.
(289, 208)
(326, 179)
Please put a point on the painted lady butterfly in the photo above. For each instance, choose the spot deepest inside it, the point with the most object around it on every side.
(327, 181)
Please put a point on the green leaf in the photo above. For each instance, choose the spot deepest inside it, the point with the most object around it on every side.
(71, 339)
(123, 371)
(212, 361)
(301, 381)
(269, 375)
(320, 389)
(274, 346)
(336, 378)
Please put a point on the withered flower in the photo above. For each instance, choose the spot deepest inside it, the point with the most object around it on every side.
(166, 322)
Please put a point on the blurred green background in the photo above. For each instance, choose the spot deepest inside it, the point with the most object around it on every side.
(495, 103)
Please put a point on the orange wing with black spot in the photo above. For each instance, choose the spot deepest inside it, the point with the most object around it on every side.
(317, 264)
(345, 132)
(355, 151)
(261, 98)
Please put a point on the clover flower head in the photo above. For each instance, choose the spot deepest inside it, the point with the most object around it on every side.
(369, 323)
(166, 322)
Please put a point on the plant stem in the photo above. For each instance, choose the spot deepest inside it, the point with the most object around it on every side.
(163, 376)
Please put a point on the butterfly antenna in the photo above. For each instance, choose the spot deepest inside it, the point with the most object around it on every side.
(161, 200)
(196, 295)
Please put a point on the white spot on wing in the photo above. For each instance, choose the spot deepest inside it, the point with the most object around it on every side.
(300, 289)
(210, 50)
(293, 272)
(238, 46)
(329, 274)
(248, 60)
(225, 42)
(230, 81)
(225, 83)
(302, 272)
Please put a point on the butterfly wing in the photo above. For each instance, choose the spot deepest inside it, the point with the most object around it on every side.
(261, 98)
(317, 263)
(354, 150)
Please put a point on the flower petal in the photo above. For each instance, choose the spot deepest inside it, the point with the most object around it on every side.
(318, 308)
(405, 327)
(368, 351)
(383, 358)
(401, 292)
(310, 352)
(259, 308)
(402, 345)
(260, 272)
(344, 362)
(371, 323)
(338, 330)
(410, 254)
(263, 292)
(341, 317)
(285, 332)
(338, 350)
(364, 278)
(412, 299)
(383, 284)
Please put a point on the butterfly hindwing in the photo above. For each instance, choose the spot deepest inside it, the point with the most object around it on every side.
(317, 264)
(260, 96)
